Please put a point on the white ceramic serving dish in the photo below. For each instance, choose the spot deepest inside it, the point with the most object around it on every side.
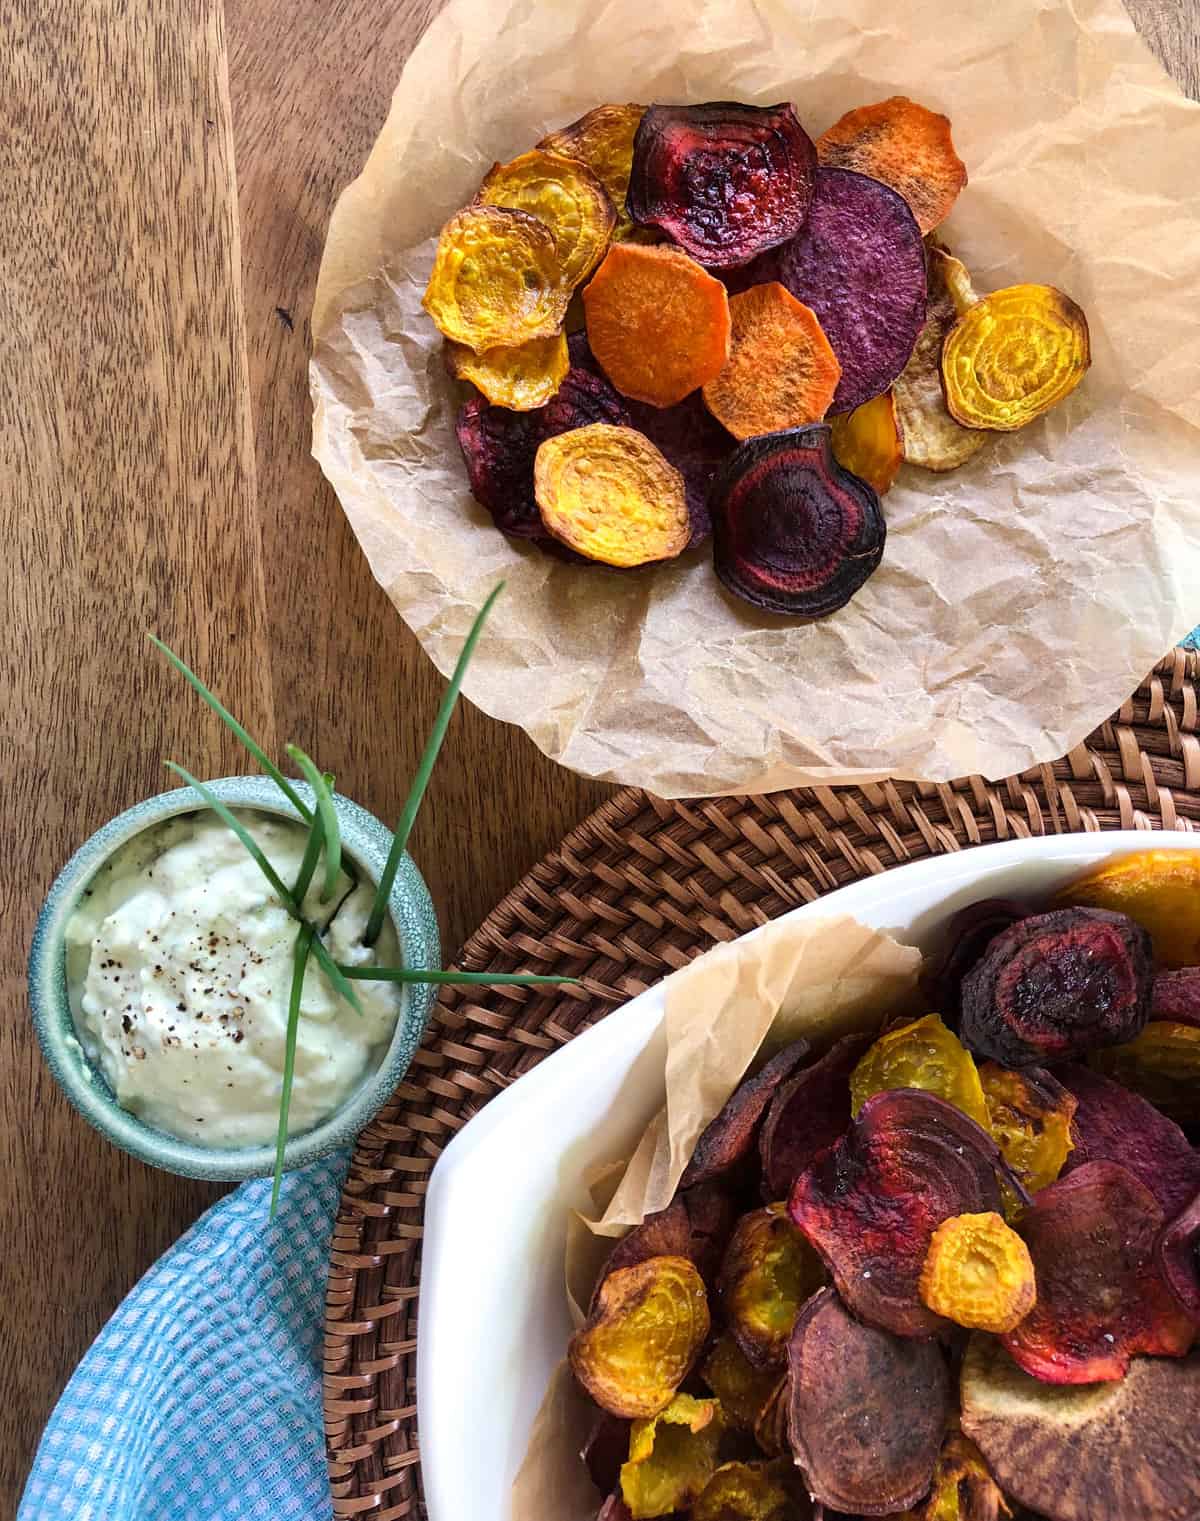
(494, 1321)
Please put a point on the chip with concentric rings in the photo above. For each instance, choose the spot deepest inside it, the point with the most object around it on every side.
(567, 196)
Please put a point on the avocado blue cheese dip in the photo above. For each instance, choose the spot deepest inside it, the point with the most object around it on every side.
(179, 964)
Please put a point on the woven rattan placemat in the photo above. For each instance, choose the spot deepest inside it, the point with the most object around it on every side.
(638, 889)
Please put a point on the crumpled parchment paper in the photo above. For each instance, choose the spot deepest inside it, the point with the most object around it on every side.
(1021, 597)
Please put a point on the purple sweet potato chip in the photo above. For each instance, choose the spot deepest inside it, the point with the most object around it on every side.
(807, 1114)
(1112, 1124)
(859, 263)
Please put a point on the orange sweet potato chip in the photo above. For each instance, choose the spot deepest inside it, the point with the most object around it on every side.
(781, 372)
(521, 378)
(567, 196)
(603, 140)
(657, 322)
(867, 441)
(905, 146)
(608, 494)
(496, 279)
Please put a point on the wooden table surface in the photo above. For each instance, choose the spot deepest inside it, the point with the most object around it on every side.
(168, 170)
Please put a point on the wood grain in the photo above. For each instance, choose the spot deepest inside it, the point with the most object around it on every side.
(154, 438)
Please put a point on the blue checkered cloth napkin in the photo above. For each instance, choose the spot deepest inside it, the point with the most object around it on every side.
(201, 1398)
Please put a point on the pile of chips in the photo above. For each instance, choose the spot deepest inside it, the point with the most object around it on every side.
(763, 329)
(949, 1272)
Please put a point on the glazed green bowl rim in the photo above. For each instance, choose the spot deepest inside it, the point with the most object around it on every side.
(366, 841)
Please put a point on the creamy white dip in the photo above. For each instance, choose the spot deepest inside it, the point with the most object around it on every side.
(179, 962)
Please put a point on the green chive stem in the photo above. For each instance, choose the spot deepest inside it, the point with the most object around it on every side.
(304, 941)
(327, 814)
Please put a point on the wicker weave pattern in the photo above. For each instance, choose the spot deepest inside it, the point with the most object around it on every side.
(634, 892)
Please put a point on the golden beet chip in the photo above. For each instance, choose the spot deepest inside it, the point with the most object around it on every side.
(641, 1339)
(1013, 356)
(607, 493)
(1029, 1114)
(519, 378)
(929, 436)
(672, 1457)
(657, 322)
(978, 1273)
(1158, 888)
(496, 279)
(768, 1272)
(603, 140)
(743, 1390)
(963, 1489)
(567, 196)
(781, 372)
(867, 441)
(1163, 1065)
(906, 146)
(747, 1492)
(926, 1055)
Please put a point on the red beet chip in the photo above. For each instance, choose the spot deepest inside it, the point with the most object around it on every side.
(1176, 996)
(691, 439)
(859, 263)
(868, 1410)
(967, 936)
(871, 1203)
(807, 1114)
(499, 446)
(724, 181)
(728, 1138)
(606, 1448)
(1056, 985)
(1178, 1257)
(712, 1215)
(1113, 1124)
(1100, 1296)
(793, 532)
(614, 1509)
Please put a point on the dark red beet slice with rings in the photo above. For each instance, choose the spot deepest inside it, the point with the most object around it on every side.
(1055, 986)
(807, 1114)
(1178, 1256)
(967, 936)
(730, 1136)
(793, 532)
(859, 263)
(725, 181)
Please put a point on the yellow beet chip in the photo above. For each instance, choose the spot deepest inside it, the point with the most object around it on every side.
(978, 1273)
(1163, 1065)
(1158, 888)
(496, 279)
(603, 140)
(867, 441)
(1014, 355)
(925, 1055)
(607, 493)
(567, 196)
(672, 1457)
(520, 378)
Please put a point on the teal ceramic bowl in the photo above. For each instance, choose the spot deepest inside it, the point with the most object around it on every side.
(366, 842)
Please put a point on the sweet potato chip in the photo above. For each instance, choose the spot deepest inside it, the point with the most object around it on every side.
(1127, 1451)
(496, 279)
(657, 322)
(906, 146)
(929, 436)
(1163, 1065)
(1177, 1253)
(793, 532)
(1176, 996)
(978, 1274)
(963, 1489)
(808, 1113)
(768, 1272)
(1100, 1296)
(871, 1203)
(1057, 985)
(728, 1139)
(724, 181)
(1158, 888)
(608, 494)
(672, 1456)
(742, 1390)
(500, 446)
(781, 372)
(603, 140)
(1112, 1124)
(567, 196)
(521, 378)
(1014, 355)
(925, 1055)
(667, 1233)
(860, 264)
(1029, 1115)
(747, 1492)
(868, 1409)
(641, 1339)
(867, 441)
